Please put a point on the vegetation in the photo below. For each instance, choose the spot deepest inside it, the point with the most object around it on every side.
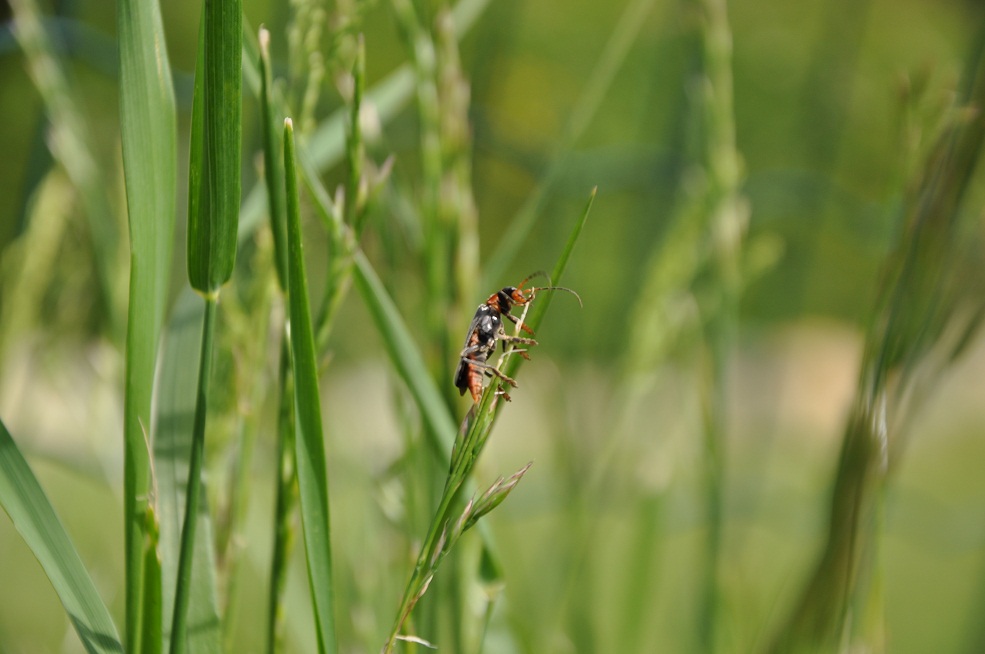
(760, 433)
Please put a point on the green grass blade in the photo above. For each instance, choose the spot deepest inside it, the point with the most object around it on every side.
(539, 308)
(196, 142)
(404, 353)
(286, 502)
(152, 629)
(212, 229)
(149, 134)
(311, 468)
(172, 440)
(273, 162)
(34, 518)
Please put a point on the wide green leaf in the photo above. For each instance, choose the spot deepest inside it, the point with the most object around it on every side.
(149, 136)
(212, 229)
(34, 518)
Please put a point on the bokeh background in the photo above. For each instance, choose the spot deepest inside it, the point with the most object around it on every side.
(836, 103)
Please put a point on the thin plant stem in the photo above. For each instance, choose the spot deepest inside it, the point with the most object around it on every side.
(194, 489)
(287, 498)
(726, 212)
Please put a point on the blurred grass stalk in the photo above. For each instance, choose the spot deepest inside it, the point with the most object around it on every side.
(70, 145)
(149, 138)
(727, 214)
(694, 278)
(928, 309)
(446, 209)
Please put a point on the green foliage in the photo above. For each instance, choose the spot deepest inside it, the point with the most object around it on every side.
(273, 163)
(148, 130)
(681, 425)
(173, 429)
(311, 471)
(213, 225)
(911, 340)
(34, 518)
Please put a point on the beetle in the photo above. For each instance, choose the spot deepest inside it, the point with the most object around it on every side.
(486, 329)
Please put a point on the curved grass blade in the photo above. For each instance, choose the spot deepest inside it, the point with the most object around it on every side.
(172, 440)
(404, 353)
(539, 308)
(913, 323)
(150, 161)
(311, 468)
(34, 518)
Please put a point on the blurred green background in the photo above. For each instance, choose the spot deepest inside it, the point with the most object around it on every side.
(834, 103)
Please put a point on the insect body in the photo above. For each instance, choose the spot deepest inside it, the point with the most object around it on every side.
(486, 329)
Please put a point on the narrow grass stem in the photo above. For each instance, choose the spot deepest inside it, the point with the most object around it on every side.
(287, 498)
(472, 437)
(194, 489)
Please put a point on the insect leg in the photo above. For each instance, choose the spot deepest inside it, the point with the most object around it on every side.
(491, 369)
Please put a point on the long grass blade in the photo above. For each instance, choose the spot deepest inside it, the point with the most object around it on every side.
(273, 161)
(34, 518)
(286, 500)
(286, 489)
(539, 308)
(149, 134)
(404, 353)
(311, 467)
